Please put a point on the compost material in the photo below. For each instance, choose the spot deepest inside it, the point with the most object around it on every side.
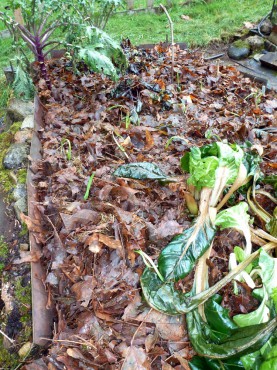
(93, 125)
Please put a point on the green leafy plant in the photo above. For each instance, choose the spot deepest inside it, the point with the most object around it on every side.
(216, 171)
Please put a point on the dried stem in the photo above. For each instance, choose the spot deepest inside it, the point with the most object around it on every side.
(172, 40)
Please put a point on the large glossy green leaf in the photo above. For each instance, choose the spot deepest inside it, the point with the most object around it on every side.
(218, 318)
(163, 297)
(141, 171)
(202, 363)
(242, 341)
(178, 258)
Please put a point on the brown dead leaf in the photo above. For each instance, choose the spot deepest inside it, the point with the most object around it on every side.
(75, 353)
(149, 140)
(80, 218)
(33, 225)
(136, 359)
(109, 242)
(28, 256)
(83, 290)
(166, 366)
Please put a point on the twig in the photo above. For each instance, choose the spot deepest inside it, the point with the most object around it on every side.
(172, 40)
(5, 335)
(120, 146)
(212, 57)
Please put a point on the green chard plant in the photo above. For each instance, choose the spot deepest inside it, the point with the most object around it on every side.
(216, 171)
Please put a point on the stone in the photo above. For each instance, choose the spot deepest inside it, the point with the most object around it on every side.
(266, 27)
(273, 38)
(23, 136)
(18, 109)
(5, 34)
(256, 42)
(239, 50)
(24, 247)
(16, 156)
(29, 122)
(19, 192)
(269, 46)
(20, 206)
(25, 349)
(269, 60)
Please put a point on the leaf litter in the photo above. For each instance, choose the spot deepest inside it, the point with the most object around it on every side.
(89, 246)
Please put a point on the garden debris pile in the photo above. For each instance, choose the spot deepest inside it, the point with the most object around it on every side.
(92, 126)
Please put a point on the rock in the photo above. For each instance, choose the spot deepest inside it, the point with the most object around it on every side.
(266, 27)
(5, 34)
(25, 349)
(239, 50)
(19, 192)
(16, 156)
(273, 38)
(256, 42)
(269, 60)
(18, 110)
(23, 136)
(20, 206)
(24, 247)
(28, 122)
(269, 46)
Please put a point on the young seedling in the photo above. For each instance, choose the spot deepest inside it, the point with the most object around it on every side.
(89, 186)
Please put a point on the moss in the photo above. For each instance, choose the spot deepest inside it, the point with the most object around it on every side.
(24, 303)
(24, 230)
(22, 175)
(7, 360)
(241, 44)
(6, 138)
(4, 252)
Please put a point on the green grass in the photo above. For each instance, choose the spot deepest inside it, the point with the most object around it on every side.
(209, 22)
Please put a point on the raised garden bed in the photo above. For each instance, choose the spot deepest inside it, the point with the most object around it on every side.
(89, 234)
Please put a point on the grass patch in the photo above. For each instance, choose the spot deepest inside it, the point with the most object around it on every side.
(209, 22)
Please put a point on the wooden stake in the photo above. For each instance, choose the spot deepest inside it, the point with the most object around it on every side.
(172, 40)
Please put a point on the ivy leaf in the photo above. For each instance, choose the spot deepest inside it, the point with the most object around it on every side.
(141, 171)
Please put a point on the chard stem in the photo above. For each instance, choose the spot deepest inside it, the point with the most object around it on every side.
(149, 263)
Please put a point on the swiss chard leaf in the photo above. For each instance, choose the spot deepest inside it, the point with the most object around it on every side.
(268, 266)
(203, 163)
(178, 258)
(202, 170)
(141, 171)
(260, 315)
(162, 296)
(242, 341)
(218, 318)
(238, 218)
(270, 362)
(202, 363)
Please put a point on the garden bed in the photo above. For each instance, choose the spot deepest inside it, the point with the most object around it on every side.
(89, 234)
